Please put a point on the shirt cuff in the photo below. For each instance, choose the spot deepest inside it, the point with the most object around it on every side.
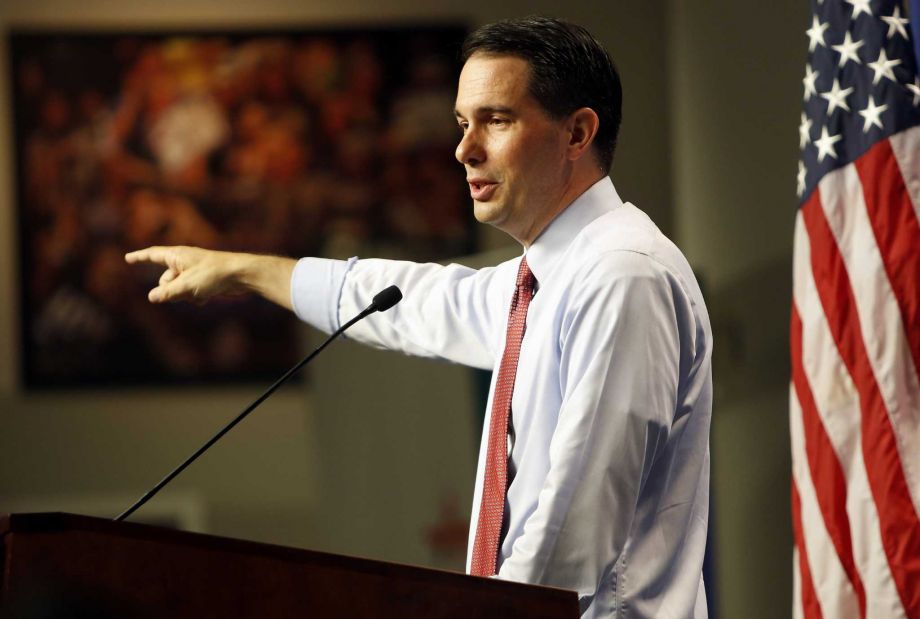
(316, 286)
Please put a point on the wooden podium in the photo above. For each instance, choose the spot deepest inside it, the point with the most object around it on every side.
(66, 565)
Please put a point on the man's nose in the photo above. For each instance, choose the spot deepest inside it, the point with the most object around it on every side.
(469, 150)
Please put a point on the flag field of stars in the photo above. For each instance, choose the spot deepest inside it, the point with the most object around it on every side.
(861, 84)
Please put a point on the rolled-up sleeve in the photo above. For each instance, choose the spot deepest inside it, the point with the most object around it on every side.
(316, 287)
(447, 312)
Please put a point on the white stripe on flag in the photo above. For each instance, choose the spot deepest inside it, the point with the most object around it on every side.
(797, 612)
(905, 147)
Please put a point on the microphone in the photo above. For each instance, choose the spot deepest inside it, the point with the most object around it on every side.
(387, 298)
(382, 301)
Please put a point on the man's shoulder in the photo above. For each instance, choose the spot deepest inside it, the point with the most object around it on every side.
(626, 244)
(624, 230)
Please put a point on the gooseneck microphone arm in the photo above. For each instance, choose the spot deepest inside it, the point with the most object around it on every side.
(383, 301)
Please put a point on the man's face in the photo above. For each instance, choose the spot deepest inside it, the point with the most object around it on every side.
(513, 152)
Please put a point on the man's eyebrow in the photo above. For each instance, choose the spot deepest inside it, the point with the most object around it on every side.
(486, 110)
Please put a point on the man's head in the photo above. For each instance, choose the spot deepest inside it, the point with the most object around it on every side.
(539, 105)
(569, 69)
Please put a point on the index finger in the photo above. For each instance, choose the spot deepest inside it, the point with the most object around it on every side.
(157, 255)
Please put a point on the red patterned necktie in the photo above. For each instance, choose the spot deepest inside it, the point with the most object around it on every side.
(492, 508)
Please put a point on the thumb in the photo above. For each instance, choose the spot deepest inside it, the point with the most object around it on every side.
(169, 290)
(168, 276)
(158, 294)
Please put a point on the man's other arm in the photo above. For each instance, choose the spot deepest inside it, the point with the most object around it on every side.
(445, 312)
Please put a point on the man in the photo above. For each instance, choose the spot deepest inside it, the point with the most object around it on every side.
(594, 468)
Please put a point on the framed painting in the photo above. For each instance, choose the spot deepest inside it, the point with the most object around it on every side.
(299, 142)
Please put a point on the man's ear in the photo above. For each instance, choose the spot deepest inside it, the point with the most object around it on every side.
(583, 125)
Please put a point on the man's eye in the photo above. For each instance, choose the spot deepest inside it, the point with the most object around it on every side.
(498, 121)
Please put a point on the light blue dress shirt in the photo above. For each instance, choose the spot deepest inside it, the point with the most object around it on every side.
(611, 405)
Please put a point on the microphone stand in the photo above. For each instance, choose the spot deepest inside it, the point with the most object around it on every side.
(382, 302)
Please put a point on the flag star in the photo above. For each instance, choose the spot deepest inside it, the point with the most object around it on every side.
(801, 179)
(859, 6)
(915, 88)
(848, 49)
(804, 128)
(882, 67)
(896, 23)
(872, 115)
(809, 82)
(837, 97)
(826, 143)
(816, 33)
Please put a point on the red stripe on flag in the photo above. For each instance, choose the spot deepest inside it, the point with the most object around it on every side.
(811, 609)
(897, 234)
(826, 473)
(899, 525)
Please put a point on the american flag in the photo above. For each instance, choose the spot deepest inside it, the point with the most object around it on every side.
(855, 328)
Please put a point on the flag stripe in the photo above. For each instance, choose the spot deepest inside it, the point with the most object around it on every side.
(838, 405)
(832, 591)
(826, 473)
(904, 145)
(846, 196)
(900, 528)
(897, 233)
(797, 611)
(810, 609)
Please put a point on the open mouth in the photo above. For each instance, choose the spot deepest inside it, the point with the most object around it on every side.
(482, 190)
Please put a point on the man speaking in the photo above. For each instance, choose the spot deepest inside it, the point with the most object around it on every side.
(593, 471)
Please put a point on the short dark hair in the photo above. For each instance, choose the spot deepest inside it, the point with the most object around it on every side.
(569, 69)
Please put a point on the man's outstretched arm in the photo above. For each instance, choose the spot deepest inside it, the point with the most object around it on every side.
(194, 274)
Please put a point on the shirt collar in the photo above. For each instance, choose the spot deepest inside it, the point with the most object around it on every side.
(548, 248)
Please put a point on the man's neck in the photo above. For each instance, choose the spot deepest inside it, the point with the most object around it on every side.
(579, 182)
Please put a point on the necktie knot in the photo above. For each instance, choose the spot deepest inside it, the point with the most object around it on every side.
(525, 278)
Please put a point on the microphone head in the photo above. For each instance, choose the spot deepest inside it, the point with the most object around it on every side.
(386, 298)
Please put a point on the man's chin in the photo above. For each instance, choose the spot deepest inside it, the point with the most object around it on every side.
(486, 212)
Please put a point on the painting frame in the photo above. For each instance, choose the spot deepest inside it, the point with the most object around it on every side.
(297, 141)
